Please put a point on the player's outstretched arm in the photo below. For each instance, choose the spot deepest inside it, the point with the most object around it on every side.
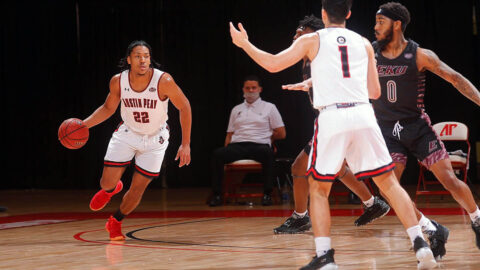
(168, 88)
(108, 107)
(301, 86)
(427, 59)
(305, 45)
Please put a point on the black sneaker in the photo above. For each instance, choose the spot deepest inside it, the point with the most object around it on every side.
(325, 262)
(476, 229)
(294, 224)
(379, 209)
(438, 239)
(215, 201)
(424, 254)
(267, 200)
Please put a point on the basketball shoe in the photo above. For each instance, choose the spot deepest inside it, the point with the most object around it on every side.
(114, 227)
(379, 209)
(324, 262)
(424, 254)
(294, 224)
(476, 229)
(438, 239)
(102, 197)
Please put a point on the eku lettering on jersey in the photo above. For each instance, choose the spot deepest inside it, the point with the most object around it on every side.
(389, 70)
(402, 85)
(143, 112)
(339, 70)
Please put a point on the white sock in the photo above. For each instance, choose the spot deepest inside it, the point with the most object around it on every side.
(426, 224)
(369, 202)
(300, 215)
(475, 214)
(322, 245)
(414, 232)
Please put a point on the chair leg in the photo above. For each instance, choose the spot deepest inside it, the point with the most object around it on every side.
(369, 185)
(420, 179)
(227, 187)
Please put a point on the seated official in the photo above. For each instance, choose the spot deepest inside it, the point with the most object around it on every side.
(253, 126)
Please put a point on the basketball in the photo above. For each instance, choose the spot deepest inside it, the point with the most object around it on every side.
(73, 134)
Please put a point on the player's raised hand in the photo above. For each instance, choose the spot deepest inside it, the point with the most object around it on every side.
(184, 155)
(302, 86)
(239, 38)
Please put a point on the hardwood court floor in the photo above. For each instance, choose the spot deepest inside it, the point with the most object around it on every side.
(174, 229)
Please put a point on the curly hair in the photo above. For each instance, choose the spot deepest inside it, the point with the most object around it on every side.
(400, 10)
(312, 22)
(123, 63)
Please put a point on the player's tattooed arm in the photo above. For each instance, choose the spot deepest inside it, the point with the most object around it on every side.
(428, 60)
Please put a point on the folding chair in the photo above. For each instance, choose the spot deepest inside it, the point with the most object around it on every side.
(234, 173)
(448, 132)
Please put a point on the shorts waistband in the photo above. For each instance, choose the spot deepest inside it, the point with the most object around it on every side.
(336, 106)
(164, 126)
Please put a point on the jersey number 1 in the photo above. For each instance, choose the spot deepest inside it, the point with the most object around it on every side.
(344, 59)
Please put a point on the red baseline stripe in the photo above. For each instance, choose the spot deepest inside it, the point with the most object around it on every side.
(211, 213)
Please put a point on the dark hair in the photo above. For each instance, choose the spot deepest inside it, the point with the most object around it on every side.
(337, 10)
(312, 22)
(400, 10)
(123, 64)
(252, 78)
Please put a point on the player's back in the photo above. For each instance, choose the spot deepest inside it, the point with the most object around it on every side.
(339, 70)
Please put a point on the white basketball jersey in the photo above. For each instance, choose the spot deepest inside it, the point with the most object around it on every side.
(339, 71)
(143, 112)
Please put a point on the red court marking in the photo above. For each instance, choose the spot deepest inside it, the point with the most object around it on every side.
(78, 236)
(211, 213)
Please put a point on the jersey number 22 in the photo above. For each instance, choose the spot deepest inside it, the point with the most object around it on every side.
(141, 117)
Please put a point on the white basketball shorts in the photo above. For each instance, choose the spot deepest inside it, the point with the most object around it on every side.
(352, 134)
(148, 150)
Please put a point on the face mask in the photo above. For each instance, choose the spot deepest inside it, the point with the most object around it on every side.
(251, 96)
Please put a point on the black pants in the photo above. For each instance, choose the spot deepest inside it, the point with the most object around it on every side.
(262, 153)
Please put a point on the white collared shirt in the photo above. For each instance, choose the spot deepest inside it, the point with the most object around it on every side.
(254, 122)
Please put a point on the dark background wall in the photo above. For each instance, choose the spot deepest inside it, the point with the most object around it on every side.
(57, 58)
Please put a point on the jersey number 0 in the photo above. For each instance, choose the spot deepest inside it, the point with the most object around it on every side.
(392, 91)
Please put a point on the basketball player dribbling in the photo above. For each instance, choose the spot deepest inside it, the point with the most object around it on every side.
(401, 113)
(344, 77)
(143, 92)
(299, 221)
